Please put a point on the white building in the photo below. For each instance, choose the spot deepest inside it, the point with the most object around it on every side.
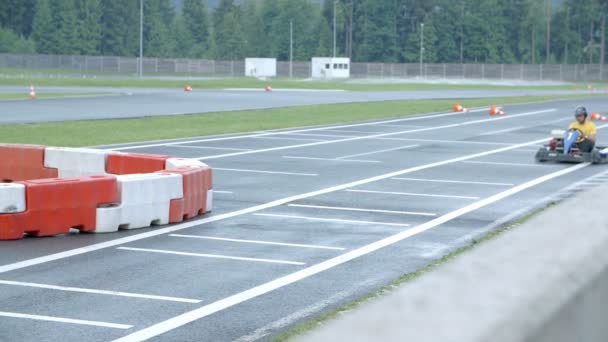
(261, 67)
(330, 67)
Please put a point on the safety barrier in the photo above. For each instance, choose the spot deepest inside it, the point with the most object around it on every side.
(49, 190)
(23, 162)
(74, 162)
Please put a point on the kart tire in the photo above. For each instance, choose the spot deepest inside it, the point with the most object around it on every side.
(596, 157)
(541, 155)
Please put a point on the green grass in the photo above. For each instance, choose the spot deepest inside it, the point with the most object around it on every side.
(100, 132)
(243, 82)
(324, 318)
(25, 95)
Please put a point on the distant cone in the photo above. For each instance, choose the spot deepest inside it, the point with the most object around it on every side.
(596, 117)
(32, 93)
(457, 108)
(267, 88)
(187, 88)
(496, 111)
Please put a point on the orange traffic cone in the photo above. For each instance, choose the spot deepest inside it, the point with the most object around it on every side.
(496, 111)
(187, 87)
(267, 87)
(595, 116)
(32, 93)
(459, 109)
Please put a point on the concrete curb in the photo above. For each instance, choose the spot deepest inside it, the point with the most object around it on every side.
(545, 281)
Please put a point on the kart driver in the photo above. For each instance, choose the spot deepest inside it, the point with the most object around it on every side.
(586, 142)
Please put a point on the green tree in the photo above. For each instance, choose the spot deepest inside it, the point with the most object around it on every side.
(228, 36)
(89, 26)
(10, 42)
(17, 15)
(157, 42)
(120, 28)
(44, 31)
(195, 28)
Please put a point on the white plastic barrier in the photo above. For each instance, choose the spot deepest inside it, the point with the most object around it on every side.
(75, 162)
(209, 201)
(174, 163)
(144, 201)
(12, 198)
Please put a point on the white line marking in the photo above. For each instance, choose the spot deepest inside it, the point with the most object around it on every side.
(451, 181)
(223, 138)
(294, 139)
(379, 151)
(278, 283)
(258, 242)
(400, 126)
(321, 219)
(308, 311)
(65, 320)
(269, 172)
(362, 210)
(101, 292)
(507, 130)
(526, 150)
(212, 256)
(333, 159)
(485, 143)
(249, 210)
(212, 148)
(222, 192)
(502, 163)
(322, 135)
(466, 123)
(411, 194)
(354, 131)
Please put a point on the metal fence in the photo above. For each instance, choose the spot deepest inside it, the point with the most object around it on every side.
(99, 65)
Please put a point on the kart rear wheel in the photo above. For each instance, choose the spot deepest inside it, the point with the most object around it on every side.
(542, 155)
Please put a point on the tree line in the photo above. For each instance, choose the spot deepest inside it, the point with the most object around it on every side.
(454, 31)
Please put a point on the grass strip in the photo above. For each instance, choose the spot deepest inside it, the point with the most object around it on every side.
(100, 132)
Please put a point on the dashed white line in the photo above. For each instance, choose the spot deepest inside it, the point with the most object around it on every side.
(258, 242)
(507, 130)
(294, 139)
(212, 256)
(302, 130)
(411, 194)
(400, 126)
(319, 143)
(378, 151)
(354, 131)
(323, 219)
(451, 181)
(267, 172)
(212, 148)
(65, 320)
(100, 292)
(484, 143)
(222, 192)
(333, 159)
(322, 135)
(414, 213)
(222, 304)
(502, 163)
(205, 220)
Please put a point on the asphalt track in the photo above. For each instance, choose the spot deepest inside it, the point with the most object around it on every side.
(133, 102)
(304, 220)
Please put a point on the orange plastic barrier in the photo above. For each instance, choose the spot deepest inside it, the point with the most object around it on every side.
(129, 163)
(23, 162)
(56, 205)
(196, 183)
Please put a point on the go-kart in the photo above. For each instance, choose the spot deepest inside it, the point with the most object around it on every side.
(563, 149)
